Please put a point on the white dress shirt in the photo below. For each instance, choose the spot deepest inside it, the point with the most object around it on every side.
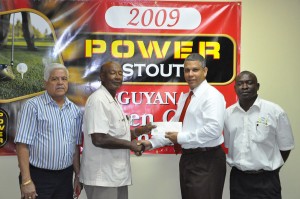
(203, 122)
(254, 138)
(101, 166)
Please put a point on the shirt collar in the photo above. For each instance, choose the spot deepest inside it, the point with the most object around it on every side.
(107, 94)
(256, 104)
(48, 100)
(198, 91)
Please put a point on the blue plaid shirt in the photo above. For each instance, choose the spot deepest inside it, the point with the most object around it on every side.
(51, 132)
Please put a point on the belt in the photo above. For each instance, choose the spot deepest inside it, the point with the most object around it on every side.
(200, 149)
(255, 172)
(50, 171)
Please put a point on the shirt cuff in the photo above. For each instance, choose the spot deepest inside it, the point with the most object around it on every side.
(157, 142)
(182, 138)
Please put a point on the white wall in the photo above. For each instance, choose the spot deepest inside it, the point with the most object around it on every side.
(270, 43)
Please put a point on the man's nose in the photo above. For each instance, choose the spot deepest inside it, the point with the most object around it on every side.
(191, 73)
(60, 80)
(119, 76)
(245, 85)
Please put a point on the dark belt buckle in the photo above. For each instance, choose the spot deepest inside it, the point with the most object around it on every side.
(199, 149)
(254, 172)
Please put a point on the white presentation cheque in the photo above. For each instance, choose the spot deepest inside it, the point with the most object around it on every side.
(163, 127)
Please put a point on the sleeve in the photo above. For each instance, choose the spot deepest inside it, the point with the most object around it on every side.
(96, 117)
(159, 141)
(27, 124)
(285, 137)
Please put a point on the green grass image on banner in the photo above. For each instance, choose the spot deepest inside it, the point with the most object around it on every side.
(32, 81)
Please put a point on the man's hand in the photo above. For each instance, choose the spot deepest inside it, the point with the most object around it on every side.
(28, 191)
(142, 130)
(147, 144)
(137, 148)
(77, 187)
(147, 128)
(172, 136)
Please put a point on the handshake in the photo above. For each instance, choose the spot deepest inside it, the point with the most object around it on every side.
(138, 147)
(170, 132)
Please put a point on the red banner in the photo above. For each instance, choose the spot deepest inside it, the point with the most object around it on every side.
(150, 39)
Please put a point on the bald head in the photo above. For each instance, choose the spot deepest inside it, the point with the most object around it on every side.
(111, 76)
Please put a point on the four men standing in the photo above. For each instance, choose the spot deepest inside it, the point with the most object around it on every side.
(257, 134)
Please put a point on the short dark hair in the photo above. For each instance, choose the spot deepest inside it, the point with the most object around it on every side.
(248, 73)
(196, 57)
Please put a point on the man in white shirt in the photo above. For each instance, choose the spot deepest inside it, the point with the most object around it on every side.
(203, 162)
(259, 138)
(105, 167)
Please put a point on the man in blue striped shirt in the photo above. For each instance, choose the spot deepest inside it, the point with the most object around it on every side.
(47, 140)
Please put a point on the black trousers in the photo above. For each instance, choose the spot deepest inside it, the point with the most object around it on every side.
(202, 174)
(265, 185)
(52, 184)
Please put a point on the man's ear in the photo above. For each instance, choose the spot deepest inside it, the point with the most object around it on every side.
(205, 71)
(258, 85)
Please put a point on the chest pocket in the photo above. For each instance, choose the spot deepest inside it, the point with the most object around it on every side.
(44, 124)
(117, 122)
(261, 133)
(118, 128)
(264, 132)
